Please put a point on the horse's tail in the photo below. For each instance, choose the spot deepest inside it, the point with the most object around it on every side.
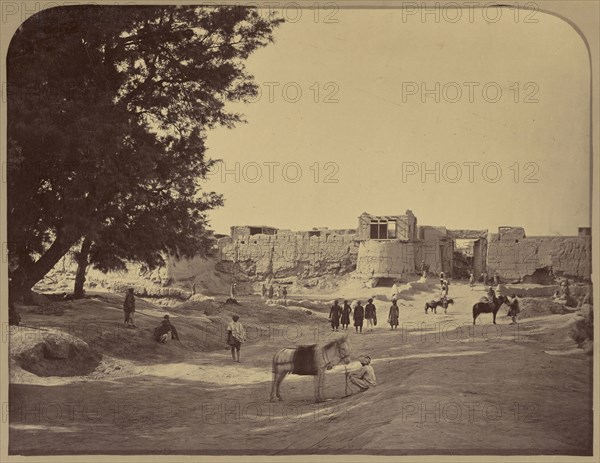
(475, 309)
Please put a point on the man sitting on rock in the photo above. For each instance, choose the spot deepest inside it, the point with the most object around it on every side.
(165, 330)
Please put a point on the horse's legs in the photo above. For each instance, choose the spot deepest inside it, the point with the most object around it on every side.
(495, 312)
(274, 386)
(277, 379)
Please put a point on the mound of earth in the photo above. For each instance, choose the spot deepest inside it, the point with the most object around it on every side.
(538, 306)
(95, 324)
(52, 353)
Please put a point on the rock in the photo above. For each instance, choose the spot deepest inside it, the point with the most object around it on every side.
(57, 354)
(56, 348)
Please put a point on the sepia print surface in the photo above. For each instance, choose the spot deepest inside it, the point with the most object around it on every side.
(299, 229)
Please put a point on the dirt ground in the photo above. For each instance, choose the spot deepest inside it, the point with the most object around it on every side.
(444, 386)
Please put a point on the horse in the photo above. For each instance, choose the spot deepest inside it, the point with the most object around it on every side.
(439, 303)
(488, 307)
(310, 360)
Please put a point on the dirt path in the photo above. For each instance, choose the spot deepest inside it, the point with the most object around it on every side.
(444, 387)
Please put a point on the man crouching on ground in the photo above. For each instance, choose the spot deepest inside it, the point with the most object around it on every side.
(165, 330)
(364, 378)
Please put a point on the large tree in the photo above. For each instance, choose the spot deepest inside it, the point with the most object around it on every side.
(108, 109)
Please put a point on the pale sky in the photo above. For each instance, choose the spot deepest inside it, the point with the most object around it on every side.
(377, 129)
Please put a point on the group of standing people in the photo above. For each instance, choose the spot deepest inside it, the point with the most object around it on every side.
(341, 315)
(495, 279)
(269, 292)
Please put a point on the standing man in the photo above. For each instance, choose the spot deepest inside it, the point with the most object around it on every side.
(514, 309)
(371, 314)
(284, 294)
(394, 314)
(235, 336)
(270, 291)
(263, 291)
(394, 291)
(233, 291)
(334, 315)
(129, 309)
(471, 280)
(346, 311)
(359, 316)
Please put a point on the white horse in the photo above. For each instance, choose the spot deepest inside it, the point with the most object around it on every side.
(309, 360)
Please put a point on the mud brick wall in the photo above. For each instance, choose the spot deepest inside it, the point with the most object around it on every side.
(385, 259)
(289, 253)
(515, 257)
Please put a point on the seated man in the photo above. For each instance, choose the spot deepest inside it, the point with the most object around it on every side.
(165, 330)
(365, 377)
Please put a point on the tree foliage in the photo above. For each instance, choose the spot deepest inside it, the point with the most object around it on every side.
(108, 111)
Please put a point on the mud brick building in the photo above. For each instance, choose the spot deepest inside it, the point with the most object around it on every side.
(391, 246)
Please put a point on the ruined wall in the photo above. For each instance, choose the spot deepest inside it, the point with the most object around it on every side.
(288, 253)
(435, 248)
(514, 256)
(243, 230)
(385, 259)
(480, 249)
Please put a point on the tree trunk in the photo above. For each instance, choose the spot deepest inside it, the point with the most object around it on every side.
(82, 263)
(28, 274)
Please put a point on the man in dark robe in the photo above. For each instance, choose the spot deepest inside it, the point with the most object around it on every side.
(359, 316)
(334, 315)
(346, 311)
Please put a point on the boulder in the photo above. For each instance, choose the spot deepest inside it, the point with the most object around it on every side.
(56, 348)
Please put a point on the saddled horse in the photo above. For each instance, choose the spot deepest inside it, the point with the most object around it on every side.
(488, 307)
(309, 360)
(433, 305)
